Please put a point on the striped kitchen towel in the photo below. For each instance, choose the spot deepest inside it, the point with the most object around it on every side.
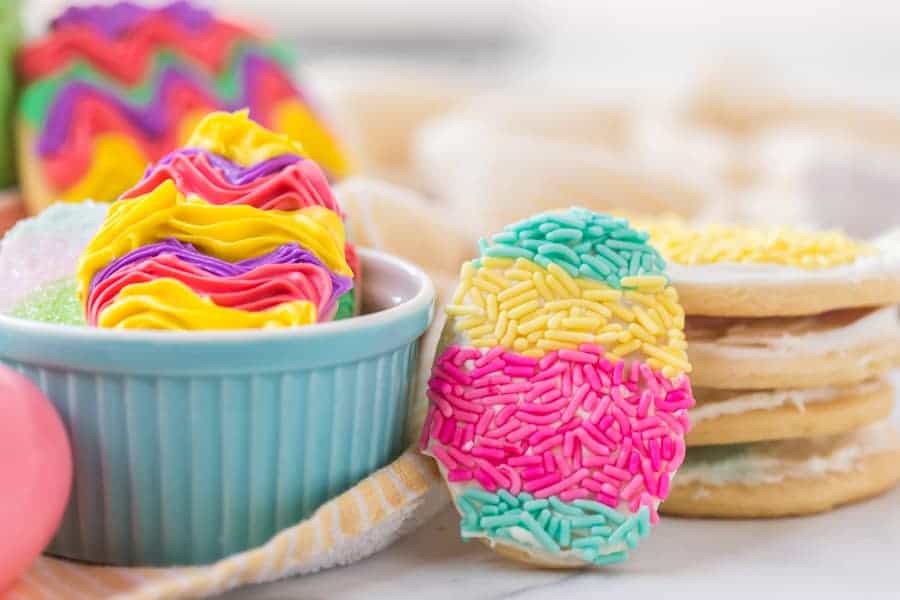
(352, 526)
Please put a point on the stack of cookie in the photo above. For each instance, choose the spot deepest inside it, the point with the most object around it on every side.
(790, 334)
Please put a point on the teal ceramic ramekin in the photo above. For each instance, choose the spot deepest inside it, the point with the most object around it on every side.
(190, 446)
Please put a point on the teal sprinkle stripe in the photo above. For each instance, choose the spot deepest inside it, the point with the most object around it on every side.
(580, 241)
(598, 533)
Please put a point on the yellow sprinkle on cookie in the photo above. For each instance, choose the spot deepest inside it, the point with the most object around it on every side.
(534, 310)
(699, 245)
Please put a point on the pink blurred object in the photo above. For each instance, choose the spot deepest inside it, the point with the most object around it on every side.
(35, 474)
(11, 209)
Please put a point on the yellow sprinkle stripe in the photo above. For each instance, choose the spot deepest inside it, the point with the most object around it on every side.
(687, 245)
(494, 305)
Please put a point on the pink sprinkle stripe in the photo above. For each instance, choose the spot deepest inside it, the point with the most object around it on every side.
(572, 424)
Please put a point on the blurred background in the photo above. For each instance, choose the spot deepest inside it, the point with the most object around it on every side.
(772, 111)
(843, 49)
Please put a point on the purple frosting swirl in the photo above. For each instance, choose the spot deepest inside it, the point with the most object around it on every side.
(118, 19)
(151, 119)
(234, 173)
(286, 254)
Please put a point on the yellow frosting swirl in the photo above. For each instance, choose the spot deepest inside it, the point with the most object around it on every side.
(117, 163)
(323, 147)
(239, 139)
(684, 244)
(231, 233)
(169, 304)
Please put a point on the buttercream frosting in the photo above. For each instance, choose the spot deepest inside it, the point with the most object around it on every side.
(742, 402)
(169, 304)
(126, 55)
(140, 79)
(815, 336)
(773, 462)
(238, 231)
(118, 19)
(286, 274)
(283, 182)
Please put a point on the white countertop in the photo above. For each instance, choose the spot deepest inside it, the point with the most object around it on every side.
(848, 554)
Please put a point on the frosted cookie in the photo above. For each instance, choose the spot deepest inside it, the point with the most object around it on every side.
(740, 416)
(559, 393)
(393, 219)
(795, 477)
(237, 231)
(738, 271)
(380, 105)
(746, 103)
(110, 88)
(534, 155)
(832, 180)
(834, 348)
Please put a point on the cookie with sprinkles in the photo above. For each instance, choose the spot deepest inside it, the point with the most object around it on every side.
(741, 271)
(559, 395)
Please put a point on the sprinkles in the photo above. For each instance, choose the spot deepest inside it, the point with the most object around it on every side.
(787, 246)
(581, 243)
(572, 425)
(533, 310)
(558, 416)
(592, 530)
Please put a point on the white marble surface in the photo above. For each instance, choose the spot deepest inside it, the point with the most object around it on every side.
(848, 554)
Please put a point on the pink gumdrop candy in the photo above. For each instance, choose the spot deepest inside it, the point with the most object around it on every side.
(35, 474)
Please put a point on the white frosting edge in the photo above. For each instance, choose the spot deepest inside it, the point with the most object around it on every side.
(768, 400)
(756, 468)
(880, 325)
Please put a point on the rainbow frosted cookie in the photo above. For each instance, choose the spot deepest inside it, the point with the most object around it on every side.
(111, 88)
(237, 231)
(559, 394)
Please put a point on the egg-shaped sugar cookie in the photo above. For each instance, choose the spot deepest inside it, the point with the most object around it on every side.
(559, 394)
